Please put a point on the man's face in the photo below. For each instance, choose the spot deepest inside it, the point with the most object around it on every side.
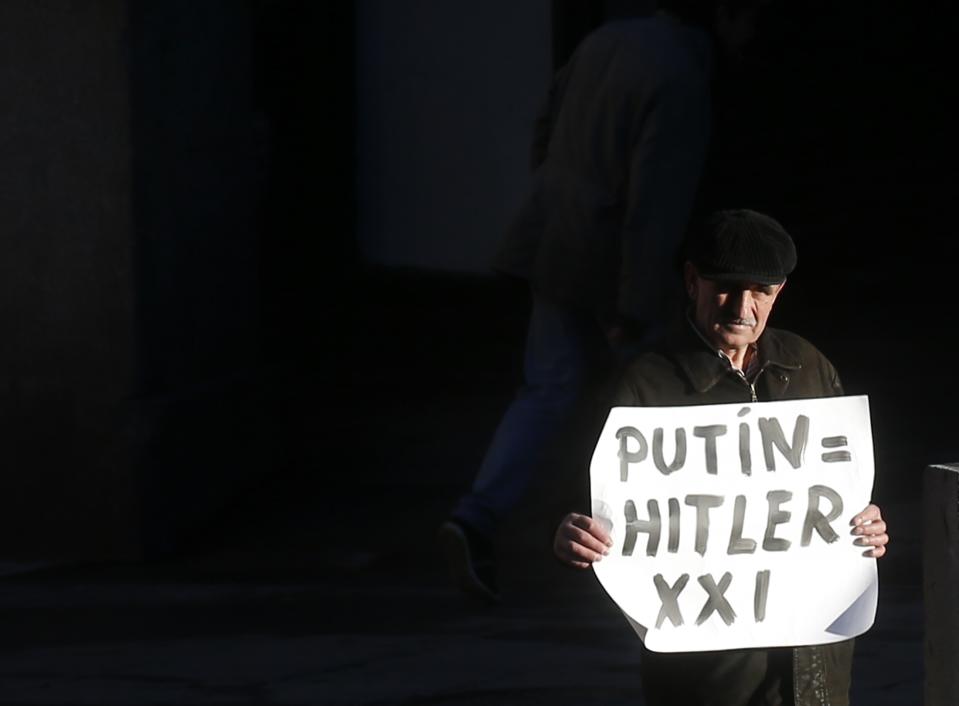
(731, 315)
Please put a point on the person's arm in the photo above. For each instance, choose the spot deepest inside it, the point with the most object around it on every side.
(546, 116)
(667, 153)
(868, 527)
(580, 539)
(870, 531)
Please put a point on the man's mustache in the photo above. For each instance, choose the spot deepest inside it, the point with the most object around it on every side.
(740, 322)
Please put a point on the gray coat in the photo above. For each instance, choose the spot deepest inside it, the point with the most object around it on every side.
(618, 153)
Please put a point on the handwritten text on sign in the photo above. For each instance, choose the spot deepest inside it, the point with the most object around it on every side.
(731, 522)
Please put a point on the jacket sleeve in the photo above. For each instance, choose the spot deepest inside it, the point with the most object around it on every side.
(668, 149)
(626, 392)
(546, 117)
(835, 383)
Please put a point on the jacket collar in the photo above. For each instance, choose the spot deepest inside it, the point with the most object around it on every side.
(704, 367)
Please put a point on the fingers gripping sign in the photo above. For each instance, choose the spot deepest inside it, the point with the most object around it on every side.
(581, 540)
(870, 531)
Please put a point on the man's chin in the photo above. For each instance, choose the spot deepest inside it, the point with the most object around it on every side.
(737, 336)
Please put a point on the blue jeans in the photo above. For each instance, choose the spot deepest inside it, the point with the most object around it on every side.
(563, 348)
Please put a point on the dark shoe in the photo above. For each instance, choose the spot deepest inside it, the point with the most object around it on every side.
(469, 556)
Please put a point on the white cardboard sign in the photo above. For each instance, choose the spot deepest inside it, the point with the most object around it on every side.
(731, 523)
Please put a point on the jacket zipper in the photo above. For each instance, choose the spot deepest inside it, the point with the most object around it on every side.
(751, 385)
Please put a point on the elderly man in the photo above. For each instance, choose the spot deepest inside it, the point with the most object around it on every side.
(724, 353)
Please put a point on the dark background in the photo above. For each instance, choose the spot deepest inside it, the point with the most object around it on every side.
(189, 317)
(197, 359)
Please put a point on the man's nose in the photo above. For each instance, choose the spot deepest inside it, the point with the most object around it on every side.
(743, 303)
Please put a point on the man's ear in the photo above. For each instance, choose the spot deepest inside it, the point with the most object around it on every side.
(690, 275)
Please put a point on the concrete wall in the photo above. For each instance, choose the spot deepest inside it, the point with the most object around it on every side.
(66, 290)
(200, 142)
(134, 159)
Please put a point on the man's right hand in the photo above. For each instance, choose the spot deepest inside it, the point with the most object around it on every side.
(580, 540)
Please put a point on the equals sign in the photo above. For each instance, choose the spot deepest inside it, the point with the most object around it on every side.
(835, 442)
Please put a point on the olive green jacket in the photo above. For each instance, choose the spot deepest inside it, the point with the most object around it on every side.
(686, 372)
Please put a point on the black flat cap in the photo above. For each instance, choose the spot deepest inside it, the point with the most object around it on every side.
(744, 246)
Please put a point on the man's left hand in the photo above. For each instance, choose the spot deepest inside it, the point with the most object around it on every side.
(870, 531)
